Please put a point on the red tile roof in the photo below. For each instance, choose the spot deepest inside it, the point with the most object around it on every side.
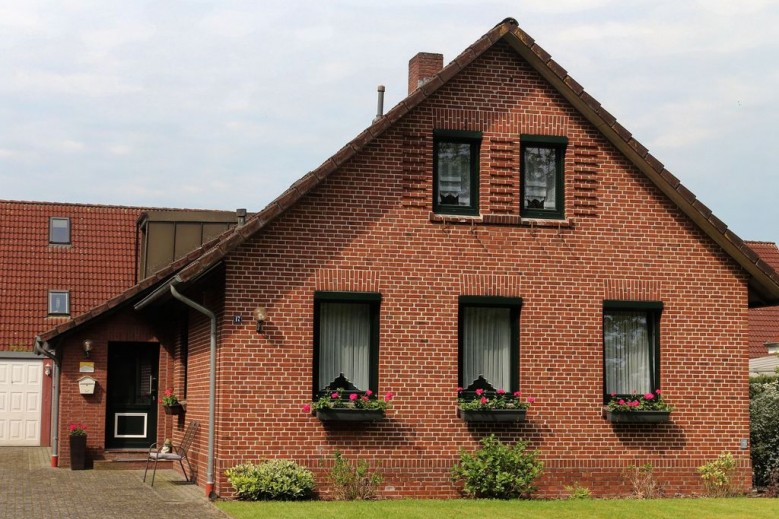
(764, 322)
(98, 264)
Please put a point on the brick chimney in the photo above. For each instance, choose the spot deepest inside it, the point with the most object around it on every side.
(422, 67)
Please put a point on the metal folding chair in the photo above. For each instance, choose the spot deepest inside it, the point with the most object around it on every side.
(178, 453)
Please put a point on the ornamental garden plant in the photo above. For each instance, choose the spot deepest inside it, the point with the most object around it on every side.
(482, 400)
(169, 398)
(635, 402)
(340, 399)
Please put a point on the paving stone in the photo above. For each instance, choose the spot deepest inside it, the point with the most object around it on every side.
(32, 489)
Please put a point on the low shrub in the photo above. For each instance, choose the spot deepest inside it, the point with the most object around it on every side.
(717, 475)
(353, 480)
(496, 470)
(763, 432)
(642, 481)
(577, 491)
(282, 480)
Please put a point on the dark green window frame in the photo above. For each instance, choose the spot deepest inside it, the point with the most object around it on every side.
(514, 305)
(548, 142)
(473, 139)
(652, 311)
(373, 300)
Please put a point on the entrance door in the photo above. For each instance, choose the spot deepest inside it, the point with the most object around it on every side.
(131, 409)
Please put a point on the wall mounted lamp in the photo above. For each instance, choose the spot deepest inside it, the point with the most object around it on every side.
(259, 316)
(87, 346)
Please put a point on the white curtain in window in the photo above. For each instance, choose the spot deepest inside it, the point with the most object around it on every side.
(344, 343)
(487, 346)
(628, 350)
(454, 173)
(540, 178)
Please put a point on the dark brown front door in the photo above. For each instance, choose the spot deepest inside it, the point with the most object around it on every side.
(131, 410)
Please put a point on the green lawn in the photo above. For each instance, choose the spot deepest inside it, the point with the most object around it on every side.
(752, 508)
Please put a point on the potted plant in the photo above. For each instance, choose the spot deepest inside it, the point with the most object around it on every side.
(634, 408)
(340, 406)
(78, 446)
(492, 406)
(170, 403)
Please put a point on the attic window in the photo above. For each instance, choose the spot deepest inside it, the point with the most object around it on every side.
(456, 172)
(59, 230)
(59, 302)
(542, 184)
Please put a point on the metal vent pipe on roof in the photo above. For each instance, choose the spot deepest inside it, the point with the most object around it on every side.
(380, 105)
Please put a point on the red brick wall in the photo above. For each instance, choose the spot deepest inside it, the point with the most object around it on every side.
(368, 227)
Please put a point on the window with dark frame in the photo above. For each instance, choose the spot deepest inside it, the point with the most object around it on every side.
(542, 185)
(346, 342)
(59, 302)
(59, 230)
(631, 347)
(456, 172)
(489, 343)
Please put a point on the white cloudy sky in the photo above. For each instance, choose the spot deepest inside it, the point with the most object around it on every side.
(224, 103)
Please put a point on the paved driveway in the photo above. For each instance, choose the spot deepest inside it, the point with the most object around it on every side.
(31, 489)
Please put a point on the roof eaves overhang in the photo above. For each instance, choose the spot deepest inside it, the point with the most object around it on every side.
(764, 281)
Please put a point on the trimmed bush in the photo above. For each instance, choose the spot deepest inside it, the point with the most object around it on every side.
(764, 433)
(499, 471)
(282, 480)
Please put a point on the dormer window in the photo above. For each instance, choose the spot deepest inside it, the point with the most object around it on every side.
(456, 172)
(542, 183)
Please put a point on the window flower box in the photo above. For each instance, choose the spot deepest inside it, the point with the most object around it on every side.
(350, 415)
(353, 406)
(646, 408)
(637, 416)
(481, 403)
(492, 415)
(173, 409)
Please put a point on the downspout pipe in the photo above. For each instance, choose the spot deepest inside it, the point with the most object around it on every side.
(211, 385)
(41, 348)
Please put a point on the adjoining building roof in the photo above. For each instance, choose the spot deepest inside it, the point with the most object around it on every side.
(764, 322)
(763, 282)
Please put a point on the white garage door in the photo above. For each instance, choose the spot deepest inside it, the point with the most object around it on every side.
(21, 381)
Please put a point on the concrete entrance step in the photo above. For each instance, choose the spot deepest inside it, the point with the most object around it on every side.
(126, 459)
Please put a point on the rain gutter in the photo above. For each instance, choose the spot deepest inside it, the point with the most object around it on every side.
(211, 381)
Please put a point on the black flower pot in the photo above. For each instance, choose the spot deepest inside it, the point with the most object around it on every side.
(78, 452)
(173, 409)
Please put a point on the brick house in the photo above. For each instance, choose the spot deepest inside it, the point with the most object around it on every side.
(498, 222)
(58, 260)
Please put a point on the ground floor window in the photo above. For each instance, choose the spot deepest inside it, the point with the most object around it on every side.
(631, 347)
